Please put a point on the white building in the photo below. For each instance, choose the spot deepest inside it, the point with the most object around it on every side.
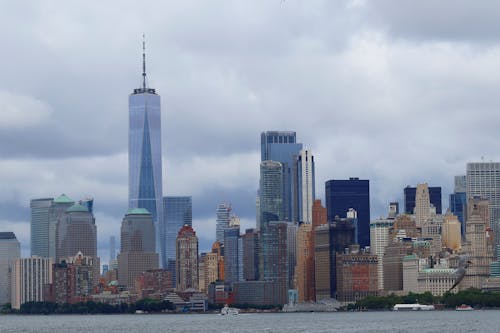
(379, 239)
(10, 250)
(306, 190)
(29, 277)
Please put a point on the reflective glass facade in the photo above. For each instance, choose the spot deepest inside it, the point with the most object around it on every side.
(145, 167)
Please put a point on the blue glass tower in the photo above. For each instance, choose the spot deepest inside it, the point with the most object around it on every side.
(177, 212)
(352, 193)
(144, 154)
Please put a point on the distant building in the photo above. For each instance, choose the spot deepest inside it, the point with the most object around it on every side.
(278, 260)
(250, 255)
(352, 193)
(10, 250)
(422, 205)
(458, 201)
(451, 232)
(255, 293)
(187, 259)
(177, 212)
(379, 239)
(137, 247)
(232, 255)
(434, 197)
(304, 270)
(357, 275)
(40, 226)
(29, 278)
(305, 187)
(154, 283)
(222, 222)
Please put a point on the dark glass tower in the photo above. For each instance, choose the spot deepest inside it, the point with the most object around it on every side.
(352, 193)
(434, 195)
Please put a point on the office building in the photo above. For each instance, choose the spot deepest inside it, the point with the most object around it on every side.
(458, 201)
(250, 255)
(277, 269)
(144, 154)
(40, 226)
(281, 146)
(304, 270)
(434, 197)
(451, 232)
(186, 259)
(29, 277)
(177, 211)
(379, 239)
(223, 218)
(352, 193)
(10, 250)
(112, 248)
(422, 205)
(483, 180)
(137, 247)
(232, 254)
(305, 186)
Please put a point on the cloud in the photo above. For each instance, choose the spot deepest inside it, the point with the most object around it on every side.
(22, 112)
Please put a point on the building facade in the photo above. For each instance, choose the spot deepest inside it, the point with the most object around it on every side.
(187, 259)
(10, 250)
(223, 218)
(29, 278)
(305, 186)
(434, 197)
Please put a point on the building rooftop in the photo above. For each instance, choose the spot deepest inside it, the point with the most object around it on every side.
(63, 198)
(138, 211)
(77, 208)
(7, 235)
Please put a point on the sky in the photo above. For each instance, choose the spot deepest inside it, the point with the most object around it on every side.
(397, 92)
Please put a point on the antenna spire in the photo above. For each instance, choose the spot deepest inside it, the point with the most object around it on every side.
(144, 61)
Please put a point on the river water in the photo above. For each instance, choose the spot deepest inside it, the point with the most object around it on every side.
(432, 321)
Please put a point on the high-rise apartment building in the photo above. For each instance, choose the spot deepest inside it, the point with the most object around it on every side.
(137, 247)
(305, 186)
(483, 180)
(223, 218)
(144, 154)
(177, 212)
(29, 277)
(187, 259)
(352, 193)
(282, 146)
(434, 196)
(10, 250)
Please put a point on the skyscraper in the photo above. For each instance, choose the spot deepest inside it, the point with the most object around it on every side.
(434, 196)
(222, 222)
(352, 193)
(40, 226)
(187, 259)
(144, 154)
(177, 211)
(422, 205)
(483, 180)
(458, 201)
(305, 186)
(379, 239)
(137, 246)
(232, 254)
(10, 250)
(281, 146)
(271, 209)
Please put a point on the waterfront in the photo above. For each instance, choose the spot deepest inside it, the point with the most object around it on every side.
(434, 321)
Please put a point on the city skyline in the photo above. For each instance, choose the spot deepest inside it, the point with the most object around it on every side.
(217, 104)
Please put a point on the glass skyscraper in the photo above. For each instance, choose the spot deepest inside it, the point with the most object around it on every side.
(144, 155)
(177, 212)
(458, 201)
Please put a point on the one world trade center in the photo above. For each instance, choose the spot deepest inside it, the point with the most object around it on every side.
(144, 154)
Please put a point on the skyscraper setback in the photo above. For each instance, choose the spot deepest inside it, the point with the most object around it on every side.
(144, 154)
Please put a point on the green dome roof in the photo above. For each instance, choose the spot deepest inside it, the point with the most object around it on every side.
(138, 211)
(77, 208)
(63, 198)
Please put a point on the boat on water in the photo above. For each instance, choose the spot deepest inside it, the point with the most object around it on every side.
(227, 311)
(413, 307)
(464, 307)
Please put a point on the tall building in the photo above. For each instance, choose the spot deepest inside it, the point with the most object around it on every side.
(271, 209)
(458, 201)
(305, 186)
(59, 207)
(422, 205)
(187, 259)
(483, 180)
(250, 255)
(304, 270)
(144, 154)
(112, 248)
(434, 196)
(77, 232)
(322, 262)
(177, 211)
(29, 277)
(451, 232)
(379, 239)
(137, 247)
(277, 269)
(222, 222)
(10, 250)
(232, 256)
(319, 214)
(40, 226)
(281, 146)
(352, 193)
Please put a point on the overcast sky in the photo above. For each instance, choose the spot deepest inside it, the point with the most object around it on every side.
(397, 92)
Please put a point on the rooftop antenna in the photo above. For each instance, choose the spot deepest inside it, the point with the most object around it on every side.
(144, 61)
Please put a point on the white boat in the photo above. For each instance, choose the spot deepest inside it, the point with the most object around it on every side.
(227, 311)
(464, 307)
(413, 307)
